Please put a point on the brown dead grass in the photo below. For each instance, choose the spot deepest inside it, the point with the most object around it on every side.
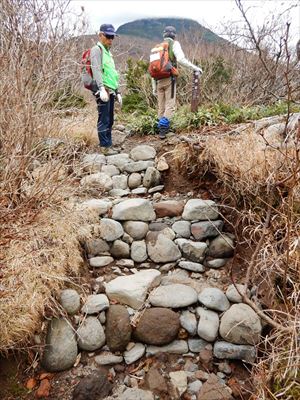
(258, 178)
(80, 127)
(35, 267)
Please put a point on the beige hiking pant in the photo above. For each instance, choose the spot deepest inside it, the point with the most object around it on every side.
(166, 104)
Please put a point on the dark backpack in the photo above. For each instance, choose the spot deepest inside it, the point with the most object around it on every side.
(160, 64)
(86, 71)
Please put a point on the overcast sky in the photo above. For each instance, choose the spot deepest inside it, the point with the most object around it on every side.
(212, 14)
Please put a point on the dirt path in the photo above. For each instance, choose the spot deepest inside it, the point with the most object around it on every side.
(62, 384)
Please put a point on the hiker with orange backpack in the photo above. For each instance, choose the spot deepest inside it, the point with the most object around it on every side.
(105, 83)
(163, 70)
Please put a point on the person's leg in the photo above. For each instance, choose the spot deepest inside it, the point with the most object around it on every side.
(111, 118)
(161, 98)
(164, 123)
(170, 99)
(103, 124)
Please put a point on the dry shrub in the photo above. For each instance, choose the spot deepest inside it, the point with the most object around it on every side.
(261, 182)
(48, 257)
(38, 239)
(36, 64)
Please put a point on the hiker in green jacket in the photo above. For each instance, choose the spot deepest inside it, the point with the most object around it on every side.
(165, 89)
(107, 79)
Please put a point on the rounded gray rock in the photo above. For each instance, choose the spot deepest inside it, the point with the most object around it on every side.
(70, 301)
(173, 296)
(61, 347)
(240, 325)
(214, 299)
(233, 294)
(90, 334)
(136, 229)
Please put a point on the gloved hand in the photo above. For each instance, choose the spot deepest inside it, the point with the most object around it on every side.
(119, 99)
(102, 93)
(198, 71)
(154, 92)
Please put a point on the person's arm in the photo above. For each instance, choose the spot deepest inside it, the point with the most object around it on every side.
(96, 65)
(154, 86)
(180, 57)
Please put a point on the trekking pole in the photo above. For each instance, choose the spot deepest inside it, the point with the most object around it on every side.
(195, 91)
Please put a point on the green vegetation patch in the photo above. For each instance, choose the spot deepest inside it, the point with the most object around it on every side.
(144, 122)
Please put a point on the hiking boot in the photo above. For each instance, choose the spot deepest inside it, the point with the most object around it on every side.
(111, 151)
(162, 135)
(108, 151)
(162, 132)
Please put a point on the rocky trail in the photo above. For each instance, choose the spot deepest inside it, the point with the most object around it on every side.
(159, 317)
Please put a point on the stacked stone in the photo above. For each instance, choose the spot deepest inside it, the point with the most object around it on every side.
(123, 174)
(187, 235)
(155, 309)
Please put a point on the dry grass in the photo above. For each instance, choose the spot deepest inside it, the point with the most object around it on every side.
(80, 127)
(259, 179)
(47, 256)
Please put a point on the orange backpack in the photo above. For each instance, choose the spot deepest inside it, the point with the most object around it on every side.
(160, 64)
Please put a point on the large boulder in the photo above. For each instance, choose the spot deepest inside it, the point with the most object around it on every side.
(98, 180)
(136, 229)
(92, 163)
(118, 328)
(110, 230)
(138, 166)
(95, 303)
(94, 386)
(151, 177)
(143, 152)
(95, 247)
(134, 210)
(240, 325)
(61, 347)
(157, 326)
(120, 249)
(214, 299)
(208, 325)
(225, 350)
(168, 208)
(101, 206)
(206, 229)
(233, 293)
(193, 251)
(173, 296)
(132, 289)
(221, 247)
(118, 160)
(200, 209)
(90, 334)
(161, 249)
(139, 251)
(214, 389)
(70, 301)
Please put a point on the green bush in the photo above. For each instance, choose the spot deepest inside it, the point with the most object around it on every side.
(136, 77)
(67, 98)
(134, 102)
(142, 123)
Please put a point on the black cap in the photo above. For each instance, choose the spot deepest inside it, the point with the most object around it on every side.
(169, 32)
(108, 29)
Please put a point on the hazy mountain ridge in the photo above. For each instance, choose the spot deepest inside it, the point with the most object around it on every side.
(152, 28)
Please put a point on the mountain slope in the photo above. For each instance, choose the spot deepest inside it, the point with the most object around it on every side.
(152, 28)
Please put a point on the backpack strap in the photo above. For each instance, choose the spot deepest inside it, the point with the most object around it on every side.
(171, 52)
(101, 53)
